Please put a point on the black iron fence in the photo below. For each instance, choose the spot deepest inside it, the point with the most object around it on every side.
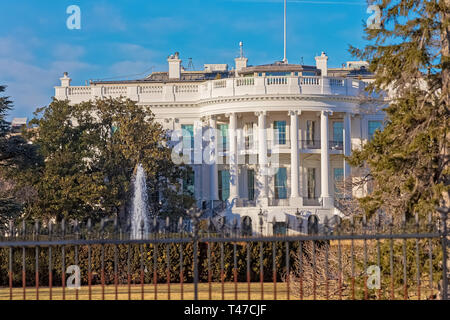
(349, 259)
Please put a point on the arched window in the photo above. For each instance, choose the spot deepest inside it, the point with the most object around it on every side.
(313, 224)
(247, 226)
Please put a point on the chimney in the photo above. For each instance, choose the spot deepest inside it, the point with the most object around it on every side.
(322, 63)
(65, 80)
(241, 62)
(174, 66)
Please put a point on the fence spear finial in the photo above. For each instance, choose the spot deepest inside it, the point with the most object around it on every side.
(50, 228)
(24, 228)
(36, 228)
(11, 228)
(89, 227)
(180, 224)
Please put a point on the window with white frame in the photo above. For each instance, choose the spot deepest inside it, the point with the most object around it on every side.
(249, 138)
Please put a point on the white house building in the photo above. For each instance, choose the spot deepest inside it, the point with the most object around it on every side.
(281, 132)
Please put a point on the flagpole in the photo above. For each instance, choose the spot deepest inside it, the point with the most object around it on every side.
(285, 59)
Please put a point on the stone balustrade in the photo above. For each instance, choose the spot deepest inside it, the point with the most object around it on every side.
(173, 92)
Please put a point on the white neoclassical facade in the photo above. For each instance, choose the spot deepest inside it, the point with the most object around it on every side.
(267, 143)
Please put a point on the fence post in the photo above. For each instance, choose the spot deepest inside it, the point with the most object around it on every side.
(444, 216)
(195, 215)
(195, 267)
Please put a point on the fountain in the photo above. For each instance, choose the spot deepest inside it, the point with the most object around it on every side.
(139, 212)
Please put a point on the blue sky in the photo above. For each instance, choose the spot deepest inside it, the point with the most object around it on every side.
(122, 38)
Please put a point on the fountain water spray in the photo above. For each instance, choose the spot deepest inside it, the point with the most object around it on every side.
(139, 213)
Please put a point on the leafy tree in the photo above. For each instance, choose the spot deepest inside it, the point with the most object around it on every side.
(408, 160)
(91, 151)
(16, 155)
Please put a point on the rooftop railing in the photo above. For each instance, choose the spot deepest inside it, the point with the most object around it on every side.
(230, 87)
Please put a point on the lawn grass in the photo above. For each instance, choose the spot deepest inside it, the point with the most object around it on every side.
(162, 292)
(175, 292)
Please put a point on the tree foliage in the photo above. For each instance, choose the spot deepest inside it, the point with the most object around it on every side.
(16, 155)
(91, 150)
(408, 160)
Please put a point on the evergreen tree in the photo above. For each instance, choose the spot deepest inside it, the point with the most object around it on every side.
(5, 107)
(16, 155)
(408, 160)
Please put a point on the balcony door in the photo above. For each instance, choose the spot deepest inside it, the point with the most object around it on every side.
(311, 183)
(281, 184)
(223, 137)
(338, 135)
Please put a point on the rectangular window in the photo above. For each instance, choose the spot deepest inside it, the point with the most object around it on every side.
(249, 139)
(338, 177)
(223, 137)
(311, 181)
(251, 184)
(188, 183)
(280, 132)
(224, 185)
(188, 136)
(338, 131)
(310, 129)
(281, 184)
(374, 126)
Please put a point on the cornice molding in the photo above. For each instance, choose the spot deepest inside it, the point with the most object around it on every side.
(234, 99)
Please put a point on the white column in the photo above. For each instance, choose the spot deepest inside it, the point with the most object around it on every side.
(262, 158)
(198, 161)
(233, 156)
(347, 144)
(295, 195)
(213, 174)
(198, 142)
(324, 160)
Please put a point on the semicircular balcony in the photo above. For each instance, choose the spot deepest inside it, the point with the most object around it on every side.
(150, 92)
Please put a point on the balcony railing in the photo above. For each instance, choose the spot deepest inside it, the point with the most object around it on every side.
(315, 144)
(311, 201)
(336, 145)
(215, 88)
(273, 202)
(276, 144)
(245, 203)
(310, 144)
